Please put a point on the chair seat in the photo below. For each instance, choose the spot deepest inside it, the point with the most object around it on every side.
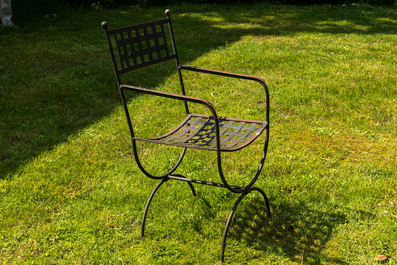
(198, 131)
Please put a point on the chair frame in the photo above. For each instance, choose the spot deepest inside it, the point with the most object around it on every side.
(156, 50)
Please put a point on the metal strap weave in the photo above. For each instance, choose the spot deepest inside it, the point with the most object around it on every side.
(198, 131)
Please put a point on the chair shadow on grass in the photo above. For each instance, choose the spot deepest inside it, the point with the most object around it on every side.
(69, 112)
(294, 230)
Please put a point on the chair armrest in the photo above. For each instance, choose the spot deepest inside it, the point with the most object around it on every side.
(233, 75)
(227, 74)
(179, 97)
(168, 95)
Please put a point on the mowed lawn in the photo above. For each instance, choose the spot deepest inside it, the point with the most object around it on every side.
(71, 193)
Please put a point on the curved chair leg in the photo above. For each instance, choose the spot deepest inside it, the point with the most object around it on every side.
(193, 190)
(222, 260)
(190, 184)
(151, 198)
(266, 200)
(148, 204)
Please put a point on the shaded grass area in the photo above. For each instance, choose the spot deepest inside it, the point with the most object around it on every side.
(70, 192)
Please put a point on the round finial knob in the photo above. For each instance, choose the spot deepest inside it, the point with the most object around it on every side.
(104, 25)
(167, 12)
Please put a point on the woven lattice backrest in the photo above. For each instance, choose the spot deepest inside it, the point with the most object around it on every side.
(141, 45)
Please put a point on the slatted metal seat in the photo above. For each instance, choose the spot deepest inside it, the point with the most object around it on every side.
(145, 44)
(198, 131)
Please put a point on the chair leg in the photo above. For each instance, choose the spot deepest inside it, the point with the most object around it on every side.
(193, 190)
(228, 222)
(148, 204)
(151, 198)
(266, 200)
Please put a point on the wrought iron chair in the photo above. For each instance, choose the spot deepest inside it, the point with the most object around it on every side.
(145, 44)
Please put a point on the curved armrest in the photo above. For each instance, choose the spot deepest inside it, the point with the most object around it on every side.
(227, 74)
(180, 97)
(233, 75)
(168, 95)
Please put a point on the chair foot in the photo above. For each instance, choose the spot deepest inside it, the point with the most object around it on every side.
(229, 219)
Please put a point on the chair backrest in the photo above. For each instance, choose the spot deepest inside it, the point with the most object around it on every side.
(140, 45)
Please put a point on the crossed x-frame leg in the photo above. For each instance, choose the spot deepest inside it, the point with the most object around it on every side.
(190, 181)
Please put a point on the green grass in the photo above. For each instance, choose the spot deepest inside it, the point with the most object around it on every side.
(70, 192)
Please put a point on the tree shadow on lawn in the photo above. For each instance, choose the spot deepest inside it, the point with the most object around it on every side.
(35, 121)
(294, 230)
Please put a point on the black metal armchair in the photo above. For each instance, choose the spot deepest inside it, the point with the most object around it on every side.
(141, 45)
